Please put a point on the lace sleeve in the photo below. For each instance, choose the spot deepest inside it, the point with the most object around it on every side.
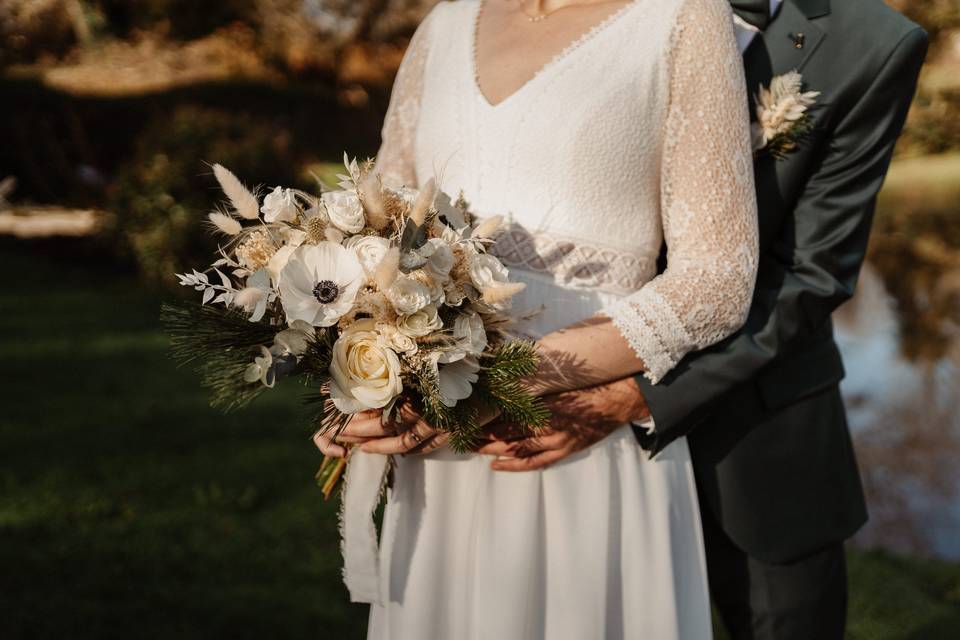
(708, 203)
(395, 160)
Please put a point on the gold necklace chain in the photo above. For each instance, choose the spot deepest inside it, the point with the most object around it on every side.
(539, 17)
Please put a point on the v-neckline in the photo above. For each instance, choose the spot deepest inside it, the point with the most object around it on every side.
(561, 54)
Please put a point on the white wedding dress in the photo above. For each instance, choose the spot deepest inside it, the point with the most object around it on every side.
(635, 133)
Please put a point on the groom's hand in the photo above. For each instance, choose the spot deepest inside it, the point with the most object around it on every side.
(578, 419)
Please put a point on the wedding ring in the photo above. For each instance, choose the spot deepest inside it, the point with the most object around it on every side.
(416, 436)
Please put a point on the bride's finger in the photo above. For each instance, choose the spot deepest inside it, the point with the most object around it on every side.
(433, 444)
(531, 463)
(328, 447)
(497, 448)
(535, 444)
(407, 440)
(367, 428)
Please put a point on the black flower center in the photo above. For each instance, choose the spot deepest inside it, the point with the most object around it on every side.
(326, 291)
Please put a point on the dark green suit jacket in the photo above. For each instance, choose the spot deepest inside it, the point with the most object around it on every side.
(762, 411)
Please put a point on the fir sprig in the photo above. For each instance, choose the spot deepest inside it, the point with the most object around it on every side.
(224, 342)
(500, 380)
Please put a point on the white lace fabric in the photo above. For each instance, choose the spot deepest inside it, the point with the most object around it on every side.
(671, 164)
(708, 205)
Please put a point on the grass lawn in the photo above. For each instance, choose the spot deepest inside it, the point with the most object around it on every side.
(129, 509)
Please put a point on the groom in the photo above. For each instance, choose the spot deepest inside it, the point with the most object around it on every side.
(775, 470)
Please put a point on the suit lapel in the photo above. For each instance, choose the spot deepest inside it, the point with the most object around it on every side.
(775, 51)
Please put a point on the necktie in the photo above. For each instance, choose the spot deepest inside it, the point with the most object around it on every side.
(755, 12)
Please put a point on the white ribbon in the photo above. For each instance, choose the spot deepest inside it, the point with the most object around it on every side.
(364, 479)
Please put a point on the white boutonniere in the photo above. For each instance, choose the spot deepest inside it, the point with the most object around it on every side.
(782, 117)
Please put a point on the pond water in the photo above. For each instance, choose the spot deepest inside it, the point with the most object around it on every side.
(904, 416)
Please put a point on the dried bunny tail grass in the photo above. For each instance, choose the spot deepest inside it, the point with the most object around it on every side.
(372, 199)
(248, 297)
(502, 292)
(488, 227)
(423, 202)
(243, 201)
(225, 223)
(386, 272)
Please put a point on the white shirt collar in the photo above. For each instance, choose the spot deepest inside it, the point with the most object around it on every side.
(746, 31)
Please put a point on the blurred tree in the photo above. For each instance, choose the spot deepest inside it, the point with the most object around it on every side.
(936, 16)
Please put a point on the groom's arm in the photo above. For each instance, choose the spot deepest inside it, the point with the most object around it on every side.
(814, 267)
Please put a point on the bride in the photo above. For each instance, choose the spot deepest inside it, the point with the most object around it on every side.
(600, 130)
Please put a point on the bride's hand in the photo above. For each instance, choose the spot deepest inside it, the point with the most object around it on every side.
(362, 427)
(413, 434)
(578, 419)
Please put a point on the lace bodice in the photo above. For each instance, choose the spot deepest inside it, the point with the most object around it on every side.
(634, 135)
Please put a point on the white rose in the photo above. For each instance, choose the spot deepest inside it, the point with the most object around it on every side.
(370, 251)
(345, 210)
(365, 374)
(392, 337)
(421, 323)
(279, 205)
(487, 271)
(408, 295)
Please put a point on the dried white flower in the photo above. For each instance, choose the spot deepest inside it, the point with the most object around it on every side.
(423, 202)
(344, 210)
(280, 205)
(420, 323)
(244, 202)
(781, 109)
(225, 223)
(408, 295)
(255, 250)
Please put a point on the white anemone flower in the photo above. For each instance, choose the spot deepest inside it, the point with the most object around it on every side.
(319, 283)
(456, 379)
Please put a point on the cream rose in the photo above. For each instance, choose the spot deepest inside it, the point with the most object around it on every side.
(345, 210)
(421, 323)
(408, 295)
(365, 374)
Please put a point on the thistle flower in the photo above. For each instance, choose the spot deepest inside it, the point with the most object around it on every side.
(225, 223)
(316, 229)
(244, 202)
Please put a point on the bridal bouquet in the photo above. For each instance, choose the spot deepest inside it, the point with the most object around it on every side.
(371, 296)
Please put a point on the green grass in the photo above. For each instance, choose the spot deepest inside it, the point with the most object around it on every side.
(129, 509)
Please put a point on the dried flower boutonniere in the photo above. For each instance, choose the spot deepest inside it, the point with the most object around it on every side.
(782, 117)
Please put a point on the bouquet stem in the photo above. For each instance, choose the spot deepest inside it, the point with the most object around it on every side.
(329, 473)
